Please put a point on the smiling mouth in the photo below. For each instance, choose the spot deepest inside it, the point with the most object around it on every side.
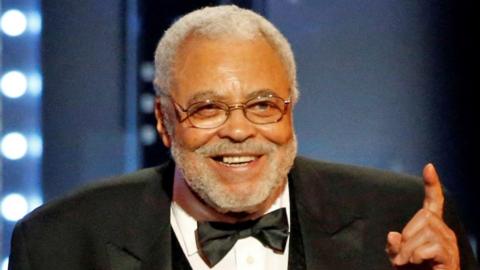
(235, 161)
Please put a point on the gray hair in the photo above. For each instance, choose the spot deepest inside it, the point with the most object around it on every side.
(219, 21)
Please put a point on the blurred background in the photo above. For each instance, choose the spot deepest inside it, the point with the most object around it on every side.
(386, 84)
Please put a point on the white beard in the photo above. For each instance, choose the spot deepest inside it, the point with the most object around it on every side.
(205, 182)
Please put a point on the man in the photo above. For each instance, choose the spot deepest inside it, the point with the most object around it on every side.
(236, 196)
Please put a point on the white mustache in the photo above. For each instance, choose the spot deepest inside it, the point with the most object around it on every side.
(227, 147)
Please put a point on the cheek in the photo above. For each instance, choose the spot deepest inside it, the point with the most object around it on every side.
(279, 133)
(193, 138)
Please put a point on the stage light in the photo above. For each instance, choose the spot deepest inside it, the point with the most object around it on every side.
(21, 88)
(148, 135)
(35, 84)
(34, 22)
(147, 71)
(14, 84)
(5, 264)
(35, 146)
(147, 103)
(14, 207)
(14, 146)
(34, 202)
(13, 22)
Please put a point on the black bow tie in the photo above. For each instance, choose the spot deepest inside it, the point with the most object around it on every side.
(215, 239)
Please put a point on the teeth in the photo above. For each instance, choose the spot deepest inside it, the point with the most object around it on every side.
(238, 159)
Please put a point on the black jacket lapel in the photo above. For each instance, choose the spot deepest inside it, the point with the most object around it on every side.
(121, 259)
(146, 244)
(332, 232)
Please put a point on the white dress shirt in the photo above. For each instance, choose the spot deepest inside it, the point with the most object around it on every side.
(248, 253)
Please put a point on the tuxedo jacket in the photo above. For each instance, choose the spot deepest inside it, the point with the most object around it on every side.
(344, 214)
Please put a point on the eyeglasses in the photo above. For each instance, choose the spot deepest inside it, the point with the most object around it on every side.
(264, 109)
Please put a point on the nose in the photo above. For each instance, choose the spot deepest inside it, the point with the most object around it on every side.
(237, 128)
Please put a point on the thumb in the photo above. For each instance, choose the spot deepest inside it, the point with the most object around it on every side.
(394, 243)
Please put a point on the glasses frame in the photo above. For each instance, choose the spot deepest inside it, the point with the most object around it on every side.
(228, 108)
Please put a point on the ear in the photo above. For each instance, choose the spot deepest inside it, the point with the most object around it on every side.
(162, 131)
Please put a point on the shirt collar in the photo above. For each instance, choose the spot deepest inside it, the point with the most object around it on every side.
(187, 225)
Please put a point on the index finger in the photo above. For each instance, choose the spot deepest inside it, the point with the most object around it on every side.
(434, 198)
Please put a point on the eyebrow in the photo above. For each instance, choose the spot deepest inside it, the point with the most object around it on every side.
(204, 95)
(261, 92)
(213, 95)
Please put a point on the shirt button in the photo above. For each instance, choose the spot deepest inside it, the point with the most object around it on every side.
(250, 260)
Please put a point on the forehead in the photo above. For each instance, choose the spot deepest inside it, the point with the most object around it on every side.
(227, 68)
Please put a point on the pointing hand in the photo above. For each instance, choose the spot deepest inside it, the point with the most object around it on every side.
(426, 240)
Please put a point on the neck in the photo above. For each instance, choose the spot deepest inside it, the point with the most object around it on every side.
(201, 211)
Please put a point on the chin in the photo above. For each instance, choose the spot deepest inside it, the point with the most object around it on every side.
(225, 199)
(240, 208)
(237, 210)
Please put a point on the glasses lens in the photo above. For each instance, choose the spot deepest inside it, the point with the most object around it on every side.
(265, 110)
(208, 114)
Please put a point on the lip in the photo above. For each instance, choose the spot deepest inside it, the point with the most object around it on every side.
(237, 154)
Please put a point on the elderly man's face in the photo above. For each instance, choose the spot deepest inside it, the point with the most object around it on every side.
(238, 165)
